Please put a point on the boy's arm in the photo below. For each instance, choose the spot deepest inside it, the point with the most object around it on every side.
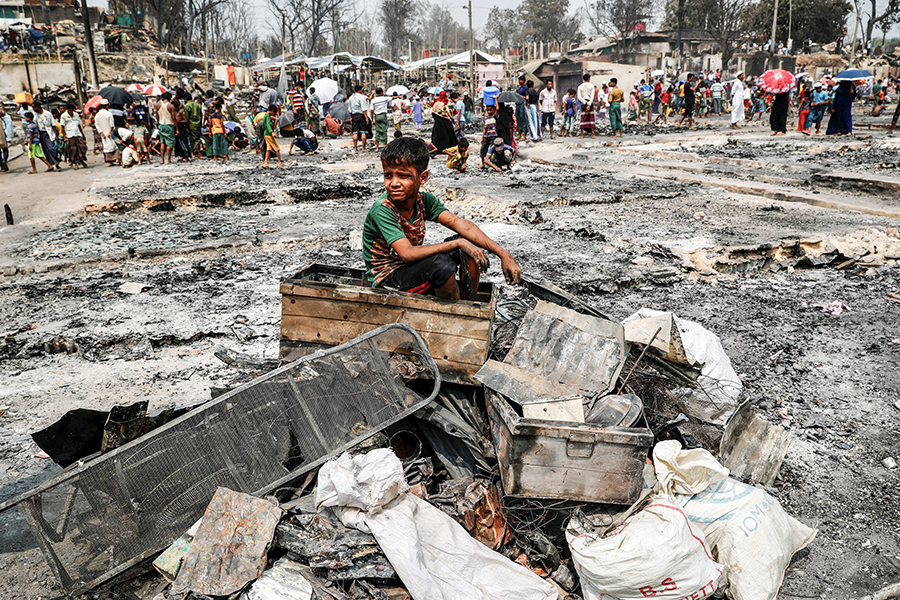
(470, 231)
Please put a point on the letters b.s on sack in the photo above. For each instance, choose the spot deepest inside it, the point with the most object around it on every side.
(656, 553)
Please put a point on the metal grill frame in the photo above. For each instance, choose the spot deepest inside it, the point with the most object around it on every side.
(30, 502)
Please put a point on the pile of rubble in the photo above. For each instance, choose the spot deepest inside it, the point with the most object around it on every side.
(577, 461)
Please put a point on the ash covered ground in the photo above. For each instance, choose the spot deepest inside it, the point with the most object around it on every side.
(209, 244)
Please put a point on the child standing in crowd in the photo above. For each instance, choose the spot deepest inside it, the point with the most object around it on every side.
(569, 107)
(418, 112)
(33, 141)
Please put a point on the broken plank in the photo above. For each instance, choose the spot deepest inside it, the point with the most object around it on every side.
(376, 315)
(378, 296)
(331, 332)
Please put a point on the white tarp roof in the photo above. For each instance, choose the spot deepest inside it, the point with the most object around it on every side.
(455, 60)
(374, 63)
(4, 23)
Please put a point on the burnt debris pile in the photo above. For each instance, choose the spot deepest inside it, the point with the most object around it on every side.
(519, 445)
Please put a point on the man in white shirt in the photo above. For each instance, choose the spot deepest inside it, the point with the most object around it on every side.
(358, 105)
(230, 103)
(548, 101)
(74, 133)
(380, 104)
(585, 94)
(737, 100)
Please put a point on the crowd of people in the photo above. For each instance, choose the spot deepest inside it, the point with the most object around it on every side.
(185, 127)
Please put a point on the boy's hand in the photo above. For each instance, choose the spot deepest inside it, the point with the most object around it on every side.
(476, 253)
(511, 270)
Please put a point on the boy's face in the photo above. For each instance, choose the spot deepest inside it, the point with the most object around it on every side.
(402, 181)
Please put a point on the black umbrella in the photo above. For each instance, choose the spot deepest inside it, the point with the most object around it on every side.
(339, 111)
(116, 95)
(510, 97)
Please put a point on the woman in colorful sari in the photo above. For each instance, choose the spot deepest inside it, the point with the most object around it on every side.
(443, 134)
(532, 98)
(841, 120)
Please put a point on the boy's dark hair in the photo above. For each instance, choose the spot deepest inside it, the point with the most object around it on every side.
(463, 143)
(29, 115)
(529, 84)
(571, 91)
(585, 77)
(407, 151)
(398, 134)
(166, 96)
(614, 81)
(454, 95)
(272, 108)
(379, 91)
(357, 88)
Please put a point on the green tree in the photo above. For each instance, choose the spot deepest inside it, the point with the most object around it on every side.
(618, 18)
(822, 21)
(548, 20)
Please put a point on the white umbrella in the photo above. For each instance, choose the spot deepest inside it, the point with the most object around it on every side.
(135, 87)
(401, 90)
(657, 73)
(326, 89)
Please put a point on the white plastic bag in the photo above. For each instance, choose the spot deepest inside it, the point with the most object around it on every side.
(747, 529)
(750, 533)
(433, 555)
(656, 554)
(718, 382)
(685, 471)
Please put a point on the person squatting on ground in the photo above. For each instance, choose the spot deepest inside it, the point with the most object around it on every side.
(500, 155)
(394, 232)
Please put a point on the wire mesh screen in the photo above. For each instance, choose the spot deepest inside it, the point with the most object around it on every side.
(105, 516)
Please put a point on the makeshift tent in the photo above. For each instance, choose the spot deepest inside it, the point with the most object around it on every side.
(455, 60)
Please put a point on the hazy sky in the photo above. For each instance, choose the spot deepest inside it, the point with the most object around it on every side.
(480, 10)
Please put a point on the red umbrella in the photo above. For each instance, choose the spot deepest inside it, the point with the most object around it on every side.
(94, 102)
(155, 90)
(777, 81)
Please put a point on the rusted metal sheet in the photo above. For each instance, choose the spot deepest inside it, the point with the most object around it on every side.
(752, 448)
(476, 505)
(325, 305)
(576, 352)
(325, 543)
(573, 461)
(558, 352)
(229, 550)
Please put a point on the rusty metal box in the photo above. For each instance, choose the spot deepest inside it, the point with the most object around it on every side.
(325, 305)
(567, 460)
